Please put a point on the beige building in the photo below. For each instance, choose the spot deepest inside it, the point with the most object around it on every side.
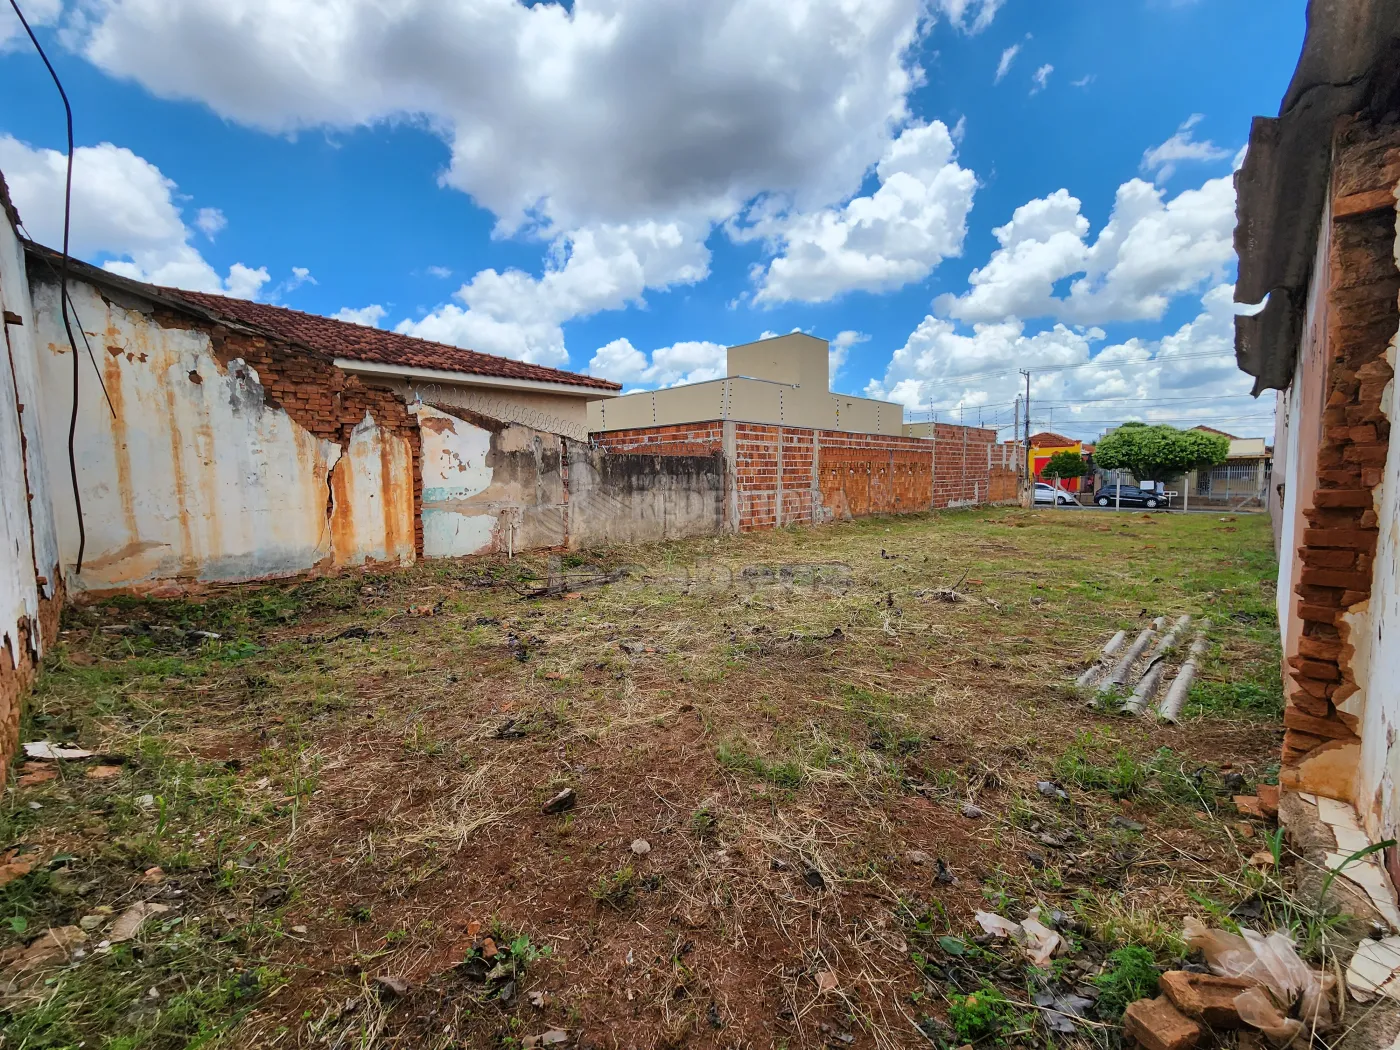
(778, 381)
(1242, 479)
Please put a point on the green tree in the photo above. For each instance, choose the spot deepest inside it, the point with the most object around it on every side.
(1159, 451)
(1064, 465)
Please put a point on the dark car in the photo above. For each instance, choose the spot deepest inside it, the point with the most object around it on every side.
(1128, 496)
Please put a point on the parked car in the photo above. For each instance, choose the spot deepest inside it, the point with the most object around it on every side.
(1128, 496)
(1049, 494)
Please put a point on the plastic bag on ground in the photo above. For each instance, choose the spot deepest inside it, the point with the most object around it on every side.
(1257, 1010)
(996, 925)
(1040, 941)
(1284, 978)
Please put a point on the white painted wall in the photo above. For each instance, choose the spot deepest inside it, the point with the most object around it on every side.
(20, 590)
(196, 476)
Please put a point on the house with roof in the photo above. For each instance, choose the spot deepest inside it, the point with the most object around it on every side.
(1241, 481)
(1045, 444)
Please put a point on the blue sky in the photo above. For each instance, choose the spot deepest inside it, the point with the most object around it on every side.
(643, 186)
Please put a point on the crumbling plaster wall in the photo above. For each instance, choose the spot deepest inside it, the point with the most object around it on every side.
(31, 591)
(488, 485)
(1339, 709)
(220, 456)
(1378, 650)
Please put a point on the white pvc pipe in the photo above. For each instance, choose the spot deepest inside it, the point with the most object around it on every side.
(1175, 699)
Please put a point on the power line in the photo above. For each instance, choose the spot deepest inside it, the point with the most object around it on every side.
(63, 284)
(1092, 363)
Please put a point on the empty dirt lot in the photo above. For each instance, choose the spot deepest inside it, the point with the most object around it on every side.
(797, 771)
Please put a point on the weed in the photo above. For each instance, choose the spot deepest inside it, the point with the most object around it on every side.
(985, 1014)
(1130, 974)
(704, 823)
(1122, 776)
(1234, 699)
(789, 774)
(615, 890)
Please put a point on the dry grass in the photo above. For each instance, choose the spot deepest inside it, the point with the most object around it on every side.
(783, 736)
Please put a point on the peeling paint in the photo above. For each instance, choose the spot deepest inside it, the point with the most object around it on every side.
(489, 489)
(194, 481)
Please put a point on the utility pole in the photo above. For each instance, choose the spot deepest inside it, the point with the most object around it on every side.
(1026, 448)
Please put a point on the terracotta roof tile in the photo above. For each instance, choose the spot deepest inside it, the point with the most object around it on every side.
(361, 343)
(1049, 439)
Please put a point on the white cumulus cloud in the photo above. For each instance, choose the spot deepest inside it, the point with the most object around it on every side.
(687, 362)
(36, 12)
(571, 123)
(602, 268)
(210, 221)
(122, 206)
(370, 316)
(1151, 250)
(1161, 161)
(896, 236)
(1080, 387)
(1041, 78)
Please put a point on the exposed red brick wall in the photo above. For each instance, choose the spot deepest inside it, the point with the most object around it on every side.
(681, 439)
(828, 474)
(1339, 546)
(315, 393)
(17, 677)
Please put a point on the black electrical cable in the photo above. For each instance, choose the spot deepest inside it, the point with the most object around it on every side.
(83, 332)
(63, 283)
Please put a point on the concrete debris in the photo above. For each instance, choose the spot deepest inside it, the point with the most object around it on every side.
(1119, 675)
(44, 751)
(391, 987)
(563, 801)
(641, 847)
(1374, 969)
(131, 920)
(1170, 708)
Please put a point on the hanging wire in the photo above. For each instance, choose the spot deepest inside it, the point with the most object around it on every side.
(63, 283)
(81, 331)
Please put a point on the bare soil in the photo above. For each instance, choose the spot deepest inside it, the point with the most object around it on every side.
(832, 765)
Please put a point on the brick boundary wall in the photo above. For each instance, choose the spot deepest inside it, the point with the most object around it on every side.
(315, 393)
(1339, 544)
(795, 475)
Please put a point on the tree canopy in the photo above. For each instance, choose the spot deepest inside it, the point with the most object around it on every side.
(1159, 451)
(1065, 465)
